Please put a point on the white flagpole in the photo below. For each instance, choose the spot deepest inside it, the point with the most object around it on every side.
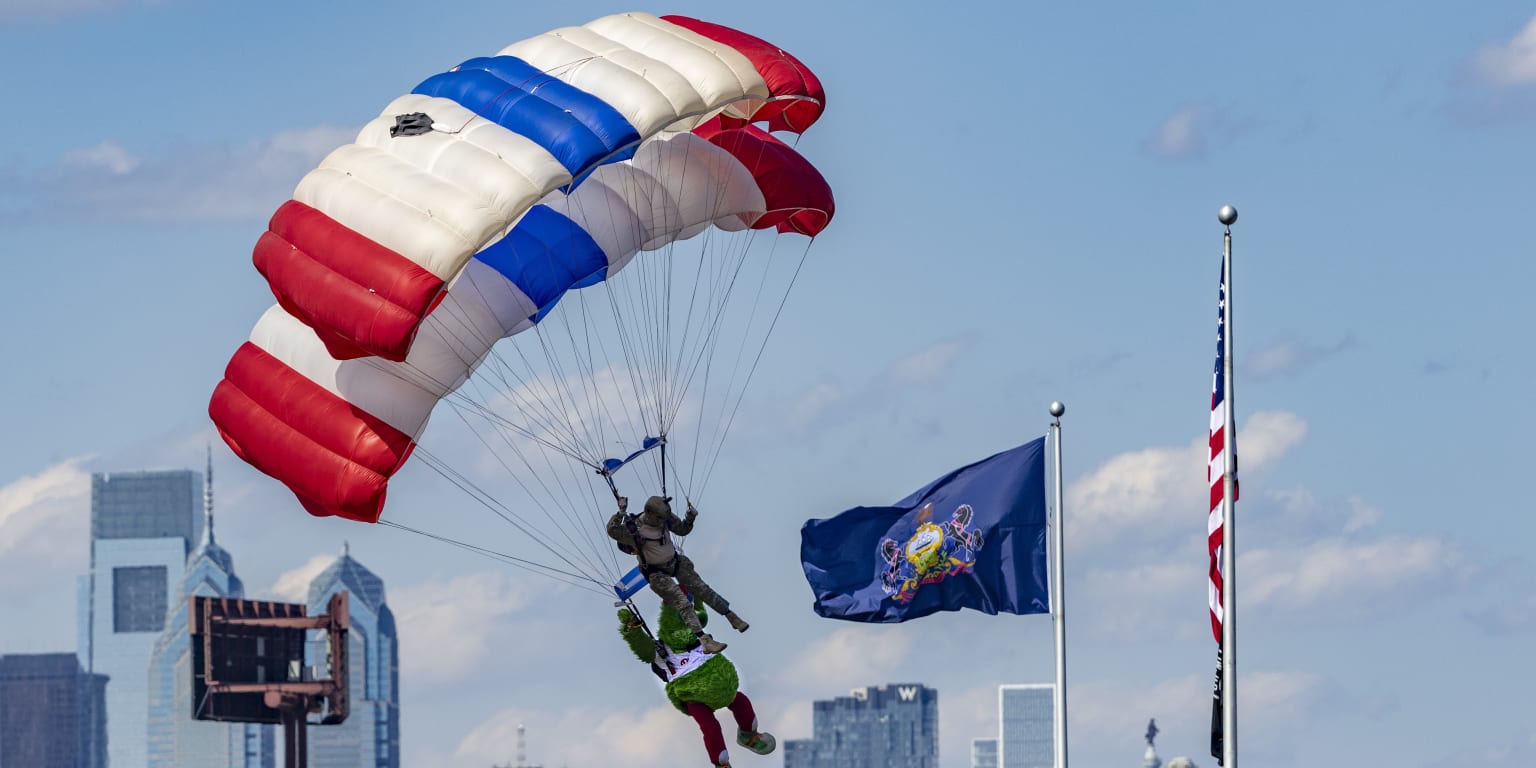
(1058, 592)
(1228, 216)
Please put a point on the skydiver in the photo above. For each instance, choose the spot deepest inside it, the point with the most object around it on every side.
(648, 536)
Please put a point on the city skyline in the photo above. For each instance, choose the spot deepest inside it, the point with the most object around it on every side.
(175, 739)
(134, 521)
(1027, 201)
(889, 726)
(1026, 717)
(52, 712)
(144, 525)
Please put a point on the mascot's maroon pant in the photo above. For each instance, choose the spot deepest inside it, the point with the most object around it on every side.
(714, 740)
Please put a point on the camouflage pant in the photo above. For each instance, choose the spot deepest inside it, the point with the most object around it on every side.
(667, 587)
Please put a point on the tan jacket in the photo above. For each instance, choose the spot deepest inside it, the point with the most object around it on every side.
(655, 541)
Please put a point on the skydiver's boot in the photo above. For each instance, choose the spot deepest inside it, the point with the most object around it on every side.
(736, 622)
(710, 645)
(759, 742)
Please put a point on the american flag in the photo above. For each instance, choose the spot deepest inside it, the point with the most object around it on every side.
(1217, 468)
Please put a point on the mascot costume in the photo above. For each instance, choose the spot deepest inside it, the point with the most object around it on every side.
(698, 683)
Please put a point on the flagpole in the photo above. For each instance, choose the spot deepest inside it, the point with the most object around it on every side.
(1228, 216)
(1058, 592)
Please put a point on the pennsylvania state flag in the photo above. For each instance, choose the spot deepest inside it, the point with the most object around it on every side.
(974, 538)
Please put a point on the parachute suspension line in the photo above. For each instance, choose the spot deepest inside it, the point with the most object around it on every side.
(539, 406)
(639, 340)
(572, 579)
(418, 377)
(596, 431)
(501, 510)
(724, 288)
(465, 404)
(586, 362)
(592, 369)
(710, 467)
(751, 318)
(489, 503)
(678, 383)
(724, 284)
(560, 379)
(631, 343)
(548, 402)
(544, 422)
(570, 508)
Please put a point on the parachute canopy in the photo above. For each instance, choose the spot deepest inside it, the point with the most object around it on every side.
(403, 259)
(377, 232)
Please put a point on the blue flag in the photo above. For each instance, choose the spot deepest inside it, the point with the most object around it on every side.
(631, 584)
(975, 538)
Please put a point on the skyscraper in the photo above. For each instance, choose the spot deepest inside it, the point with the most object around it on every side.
(895, 726)
(175, 739)
(52, 712)
(983, 753)
(370, 737)
(1025, 713)
(143, 525)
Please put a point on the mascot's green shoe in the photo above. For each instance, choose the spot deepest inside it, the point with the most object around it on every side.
(761, 743)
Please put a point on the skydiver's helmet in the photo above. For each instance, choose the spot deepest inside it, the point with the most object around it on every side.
(658, 507)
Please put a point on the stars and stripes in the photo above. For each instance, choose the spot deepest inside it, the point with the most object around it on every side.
(1220, 442)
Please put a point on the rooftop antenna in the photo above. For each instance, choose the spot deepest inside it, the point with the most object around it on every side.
(522, 750)
(208, 500)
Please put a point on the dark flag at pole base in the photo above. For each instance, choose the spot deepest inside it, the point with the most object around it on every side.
(1217, 747)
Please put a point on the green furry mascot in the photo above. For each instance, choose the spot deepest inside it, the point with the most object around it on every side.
(698, 683)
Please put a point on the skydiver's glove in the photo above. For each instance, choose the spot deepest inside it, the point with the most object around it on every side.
(623, 504)
(692, 512)
(628, 618)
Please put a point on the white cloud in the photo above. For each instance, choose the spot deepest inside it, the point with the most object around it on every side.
(963, 716)
(108, 154)
(926, 365)
(811, 405)
(1266, 437)
(1135, 488)
(185, 183)
(847, 658)
(1180, 135)
(1152, 599)
(1289, 356)
(1110, 712)
(1144, 487)
(448, 629)
(292, 586)
(1512, 63)
(1340, 576)
(1192, 130)
(1510, 614)
(1362, 515)
(45, 522)
(824, 403)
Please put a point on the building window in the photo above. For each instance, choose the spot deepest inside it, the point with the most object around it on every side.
(138, 598)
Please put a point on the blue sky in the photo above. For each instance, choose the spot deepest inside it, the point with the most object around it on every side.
(1026, 212)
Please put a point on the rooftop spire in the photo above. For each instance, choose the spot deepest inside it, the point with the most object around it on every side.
(208, 500)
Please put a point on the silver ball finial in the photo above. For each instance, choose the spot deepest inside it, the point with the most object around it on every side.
(1227, 215)
(1057, 409)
